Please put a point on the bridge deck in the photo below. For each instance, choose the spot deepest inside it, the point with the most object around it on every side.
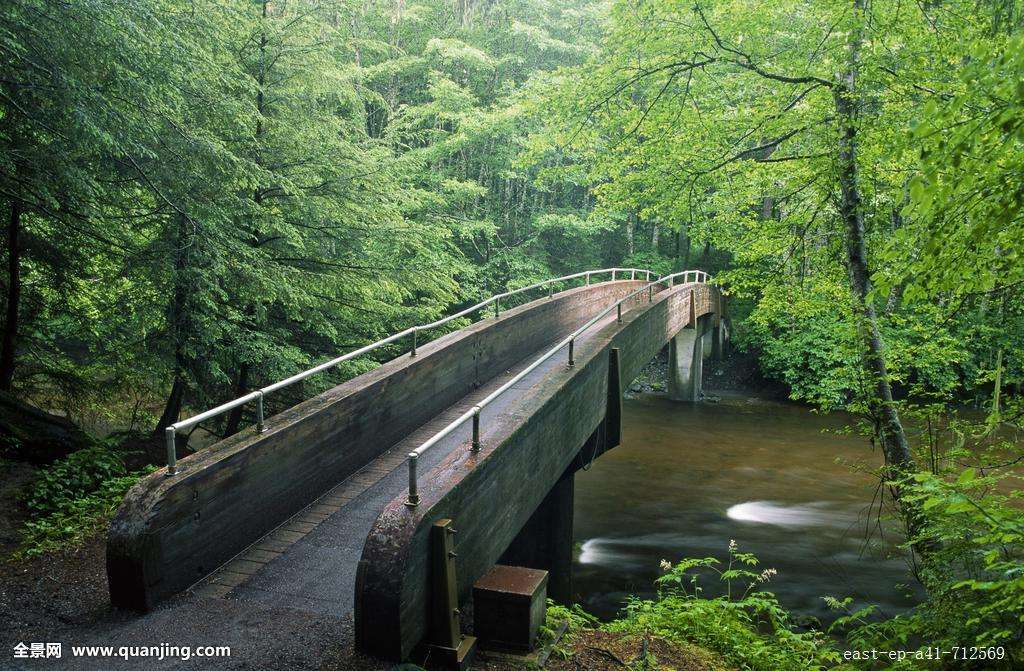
(310, 562)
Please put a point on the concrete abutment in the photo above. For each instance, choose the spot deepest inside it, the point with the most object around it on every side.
(686, 355)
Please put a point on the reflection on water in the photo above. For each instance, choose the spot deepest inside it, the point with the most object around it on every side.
(688, 478)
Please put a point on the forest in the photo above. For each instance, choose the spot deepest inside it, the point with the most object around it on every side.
(201, 197)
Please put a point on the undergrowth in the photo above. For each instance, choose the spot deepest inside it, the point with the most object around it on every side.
(72, 498)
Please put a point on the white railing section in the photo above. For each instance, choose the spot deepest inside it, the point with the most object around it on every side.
(171, 431)
(473, 414)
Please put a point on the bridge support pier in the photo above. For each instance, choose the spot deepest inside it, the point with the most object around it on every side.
(545, 541)
(686, 363)
(717, 340)
(720, 330)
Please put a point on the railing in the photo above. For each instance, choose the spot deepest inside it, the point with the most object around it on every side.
(171, 431)
(473, 414)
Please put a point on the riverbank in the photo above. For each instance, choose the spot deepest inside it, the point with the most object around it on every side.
(736, 374)
(596, 650)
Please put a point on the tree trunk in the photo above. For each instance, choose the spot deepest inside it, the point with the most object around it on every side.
(10, 335)
(35, 436)
(235, 416)
(172, 409)
(630, 227)
(892, 303)
(179, 326)
(894, 440)
(655, 235)
(682, 249)
(899, 461)
(395, 41)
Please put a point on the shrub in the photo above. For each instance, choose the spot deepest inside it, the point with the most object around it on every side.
(974, 576)
(746, 625)
(73, 497)
(79, 474)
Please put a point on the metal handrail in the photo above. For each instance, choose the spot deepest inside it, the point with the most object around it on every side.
(699, 276)
(171, 431)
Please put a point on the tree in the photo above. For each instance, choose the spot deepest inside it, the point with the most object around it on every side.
(777, 127)
(85, 85)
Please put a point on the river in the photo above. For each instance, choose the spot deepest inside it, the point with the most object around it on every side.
(774, 477)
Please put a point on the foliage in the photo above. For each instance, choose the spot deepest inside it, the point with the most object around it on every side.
(718, 121)
(573, 618)
(206, 197)
(72, 498)
(965, 201)
(975, 595)
(980, 570)
(80, 473)
(746, 624)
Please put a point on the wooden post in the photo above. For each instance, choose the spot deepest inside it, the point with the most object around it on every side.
(453, 650)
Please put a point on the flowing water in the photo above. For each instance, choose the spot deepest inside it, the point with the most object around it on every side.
(775, 477)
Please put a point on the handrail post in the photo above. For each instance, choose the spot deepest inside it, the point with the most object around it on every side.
(415, 331)
(648, 275)
(497, 307)
(619, 310)
(613, 274)
(551, 290)
(650, 293)
(476, 429)
(671, 280)
(414, 495)
(572, 361)
(588, 279)
(259, 412)
(172, 452)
